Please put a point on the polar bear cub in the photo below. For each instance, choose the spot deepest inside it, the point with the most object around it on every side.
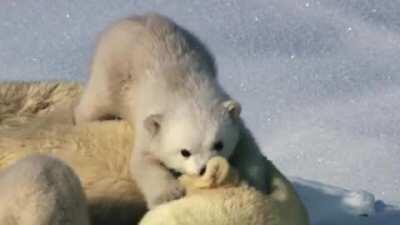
(41, 190)
(153, 73)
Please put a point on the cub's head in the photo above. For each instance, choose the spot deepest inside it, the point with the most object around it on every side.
(186, 138)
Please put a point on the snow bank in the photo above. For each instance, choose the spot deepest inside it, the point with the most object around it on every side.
(330, 205)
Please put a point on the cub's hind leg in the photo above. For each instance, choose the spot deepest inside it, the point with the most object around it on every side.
(98, 99)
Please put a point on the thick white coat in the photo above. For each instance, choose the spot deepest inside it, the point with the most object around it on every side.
(41, 190)
(158, 76)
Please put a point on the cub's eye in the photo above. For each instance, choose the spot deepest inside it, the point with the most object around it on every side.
(185, 153)
(218, 146)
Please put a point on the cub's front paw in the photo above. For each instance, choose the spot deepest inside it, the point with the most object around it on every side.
(168, 193)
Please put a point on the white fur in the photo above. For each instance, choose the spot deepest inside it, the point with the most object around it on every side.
(41, 190)
(99, 153)
(148, 66)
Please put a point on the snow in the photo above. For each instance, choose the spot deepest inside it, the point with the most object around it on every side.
(319, 82)
(330, 205)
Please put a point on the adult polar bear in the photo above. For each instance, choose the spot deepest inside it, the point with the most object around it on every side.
(99, 153)
(161, 79)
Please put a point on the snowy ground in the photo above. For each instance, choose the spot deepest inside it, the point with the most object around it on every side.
(319, 82)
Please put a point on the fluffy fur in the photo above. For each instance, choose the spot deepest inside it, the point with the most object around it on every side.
(155, 74)
(219, 198)
(41, 190)
(99, 153)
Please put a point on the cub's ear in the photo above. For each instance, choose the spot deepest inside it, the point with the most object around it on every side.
(233, 108)
(153, 123)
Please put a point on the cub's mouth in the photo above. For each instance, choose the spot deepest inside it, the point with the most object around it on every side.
(174, 172)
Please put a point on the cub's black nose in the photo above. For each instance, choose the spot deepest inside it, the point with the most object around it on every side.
(202, 171)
